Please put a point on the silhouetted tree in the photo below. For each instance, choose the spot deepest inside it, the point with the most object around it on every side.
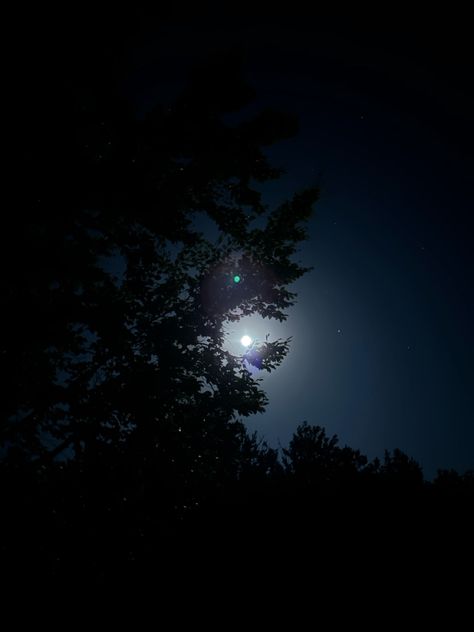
(401, 470)
(315, 459)
(450, 482)
(117, 297)
(120, 419)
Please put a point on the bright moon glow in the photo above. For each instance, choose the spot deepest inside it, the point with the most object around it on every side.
(246, 341)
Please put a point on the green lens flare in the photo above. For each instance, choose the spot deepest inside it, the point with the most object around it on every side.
(236, 279)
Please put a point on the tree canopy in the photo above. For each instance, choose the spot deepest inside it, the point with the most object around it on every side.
(117, 295)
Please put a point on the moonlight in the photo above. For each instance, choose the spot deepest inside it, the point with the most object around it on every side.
(246, 341)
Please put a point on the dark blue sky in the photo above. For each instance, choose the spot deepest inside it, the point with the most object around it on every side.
(382, 348)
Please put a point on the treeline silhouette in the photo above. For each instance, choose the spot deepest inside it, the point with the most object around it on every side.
(123, 445)
(112, 522)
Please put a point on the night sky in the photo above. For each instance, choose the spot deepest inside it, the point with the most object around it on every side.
(382, 332)
(383, 329)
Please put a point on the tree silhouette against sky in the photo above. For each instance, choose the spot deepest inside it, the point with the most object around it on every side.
(133, 243)
(118, 295)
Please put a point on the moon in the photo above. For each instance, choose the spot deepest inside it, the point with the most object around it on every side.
(246, 341)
